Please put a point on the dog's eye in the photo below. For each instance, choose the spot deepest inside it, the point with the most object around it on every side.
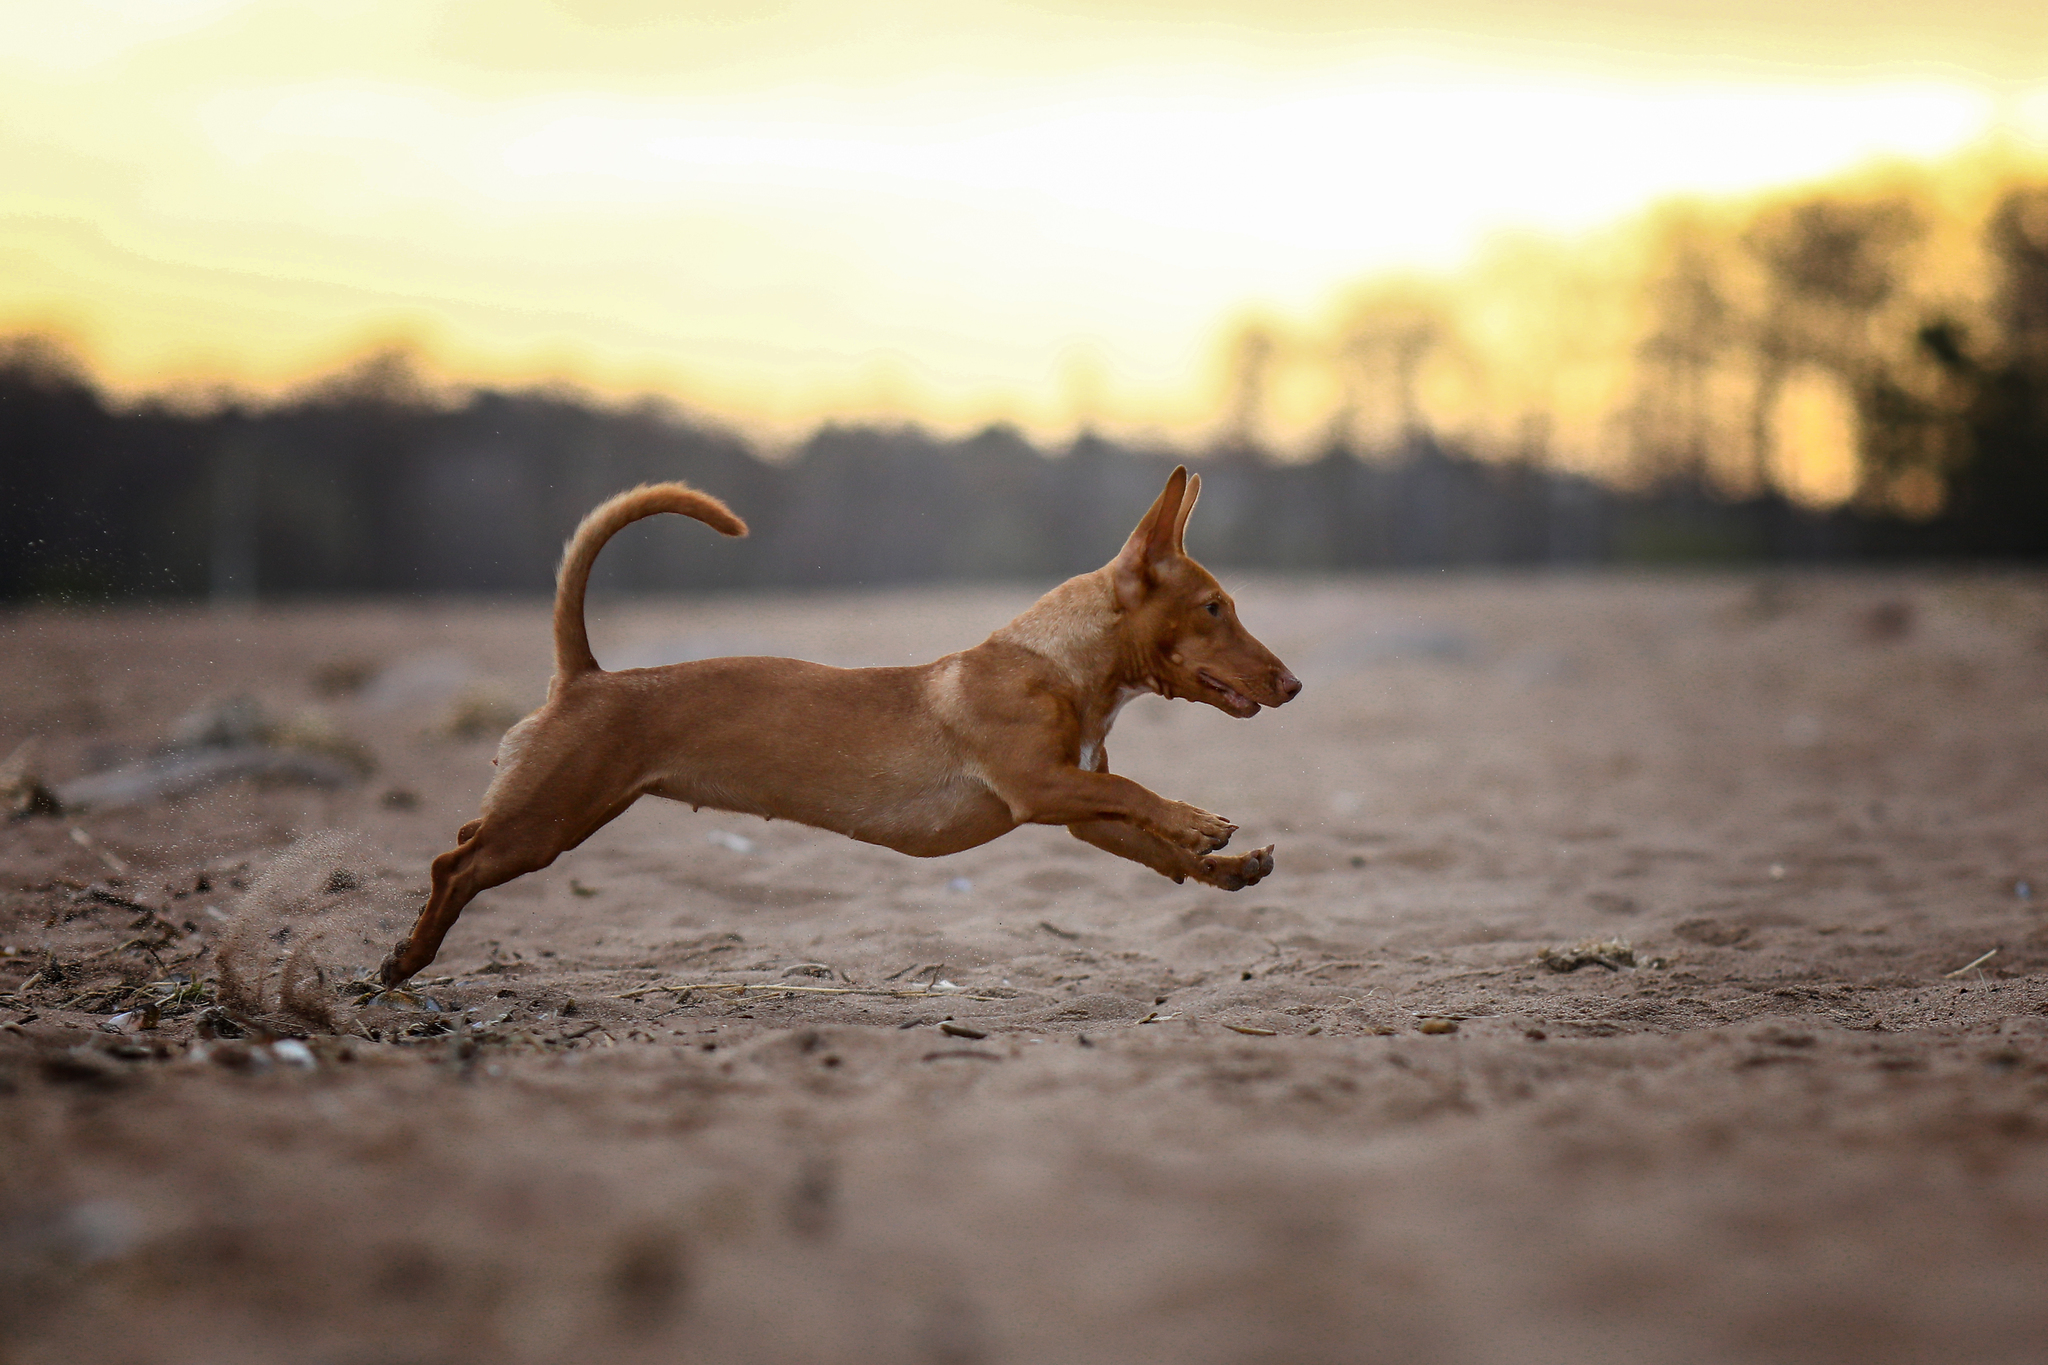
(1214, 608)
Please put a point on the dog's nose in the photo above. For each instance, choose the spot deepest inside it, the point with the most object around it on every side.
(1290, 686)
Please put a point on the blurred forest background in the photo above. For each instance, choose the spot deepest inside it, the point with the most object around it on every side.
(1855, 371)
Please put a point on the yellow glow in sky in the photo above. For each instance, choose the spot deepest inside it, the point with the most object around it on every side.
(959, 213)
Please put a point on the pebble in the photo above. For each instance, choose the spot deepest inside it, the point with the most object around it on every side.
(293, 1052)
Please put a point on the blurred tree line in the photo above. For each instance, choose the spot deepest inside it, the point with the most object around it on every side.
(1878, 325)
(1878, 345)
(1930, 342)
(370, 485)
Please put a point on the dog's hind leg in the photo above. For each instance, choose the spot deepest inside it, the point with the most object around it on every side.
(491, 853)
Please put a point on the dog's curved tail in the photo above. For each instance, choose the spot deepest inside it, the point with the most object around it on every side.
(572, 640)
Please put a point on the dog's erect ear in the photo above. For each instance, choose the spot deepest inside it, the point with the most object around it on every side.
(1180, 523)
(1157, 536)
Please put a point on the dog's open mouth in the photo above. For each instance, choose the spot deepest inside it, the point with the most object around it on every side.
(1234, 701)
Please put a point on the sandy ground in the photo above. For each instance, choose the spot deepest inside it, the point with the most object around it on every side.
(1349, 1115)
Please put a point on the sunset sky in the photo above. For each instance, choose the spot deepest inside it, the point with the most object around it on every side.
(955, 211)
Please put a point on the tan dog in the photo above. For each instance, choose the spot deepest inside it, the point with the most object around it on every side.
(925, 760)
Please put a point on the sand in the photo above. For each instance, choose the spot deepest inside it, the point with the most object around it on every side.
(1031, 1103)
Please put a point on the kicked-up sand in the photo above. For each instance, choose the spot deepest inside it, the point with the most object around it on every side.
(714, 1089)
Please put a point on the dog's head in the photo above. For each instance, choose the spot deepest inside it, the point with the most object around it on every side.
(1180, 626)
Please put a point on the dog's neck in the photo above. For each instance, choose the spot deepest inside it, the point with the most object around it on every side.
(1077, 627)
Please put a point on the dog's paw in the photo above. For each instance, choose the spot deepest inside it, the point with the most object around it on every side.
(1235, 871)
(392, 972)
(1201, 832)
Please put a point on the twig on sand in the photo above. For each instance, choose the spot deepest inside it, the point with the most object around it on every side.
(742, 987)
(1970, 966)
(91, 845)
(1479, 972)
(179, 773)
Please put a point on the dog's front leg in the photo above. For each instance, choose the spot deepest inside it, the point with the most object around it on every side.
(1227, 871)
(1069, 796)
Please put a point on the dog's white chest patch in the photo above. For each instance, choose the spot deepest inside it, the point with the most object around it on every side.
(1091, 748)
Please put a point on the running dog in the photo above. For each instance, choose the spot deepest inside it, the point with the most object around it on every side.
(926, 760)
